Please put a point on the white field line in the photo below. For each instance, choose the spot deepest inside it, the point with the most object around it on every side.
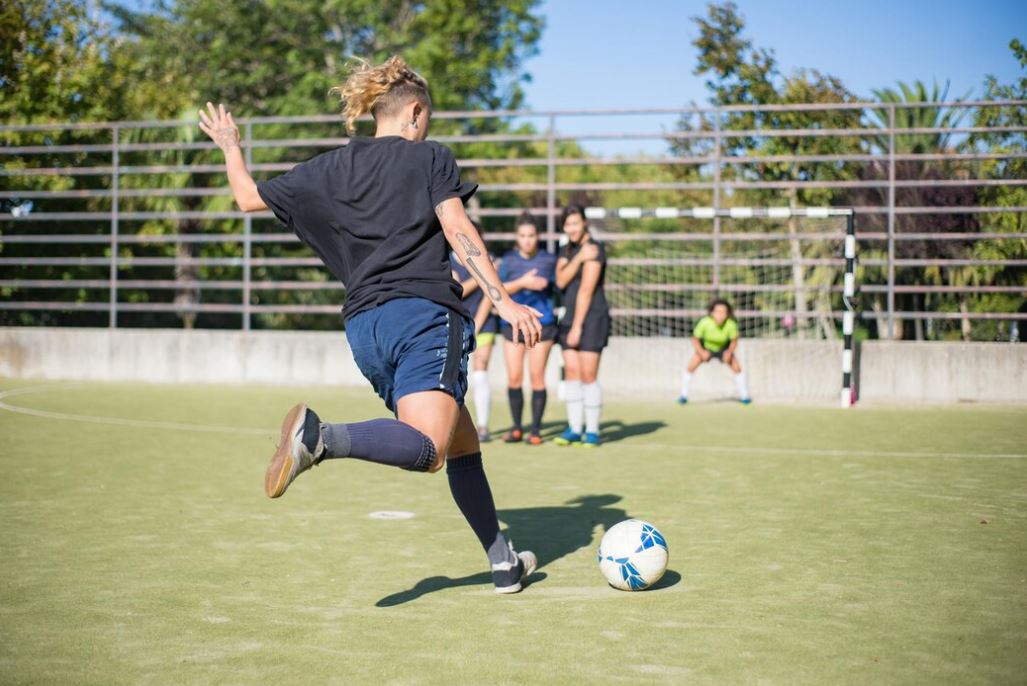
(745, 450)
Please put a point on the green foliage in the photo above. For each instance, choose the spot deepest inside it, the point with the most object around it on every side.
(281, 57)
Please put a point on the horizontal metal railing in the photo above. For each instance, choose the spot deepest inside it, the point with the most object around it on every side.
(95, 173)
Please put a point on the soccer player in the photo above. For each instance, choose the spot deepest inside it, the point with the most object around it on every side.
(715, 337)
(485, 330)
(379, 213)
(585, 327)
(528, 274)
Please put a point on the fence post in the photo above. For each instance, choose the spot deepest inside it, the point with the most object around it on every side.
(247, 244)
(891, 222)
(115, 183)
(551, 185)
(716, 201)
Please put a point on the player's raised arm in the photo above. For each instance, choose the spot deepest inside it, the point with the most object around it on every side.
(464, 239)
(219, 125)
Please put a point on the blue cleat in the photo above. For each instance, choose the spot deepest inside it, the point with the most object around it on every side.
(590, 440)
(568, 437)
(682, 400)
(745, 401)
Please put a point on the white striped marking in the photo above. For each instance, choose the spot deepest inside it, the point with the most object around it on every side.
(850, 247)
(848, 322)
(595, 212)
(630, 212)
(741, 450)
(740, 212)
(704, 212)
(850, 285)
(820, 212)
(846, 361)
(391, 514)
(667, 213)
(779, 212)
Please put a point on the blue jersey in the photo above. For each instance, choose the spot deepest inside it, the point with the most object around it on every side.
(515, 266)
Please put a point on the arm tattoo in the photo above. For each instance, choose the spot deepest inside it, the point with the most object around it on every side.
(472, 251)
(469, 247)
(493, 292)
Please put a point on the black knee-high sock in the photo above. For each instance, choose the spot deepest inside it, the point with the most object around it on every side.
(538, 408)
(385, 441)
(516, 396)
(470, 489)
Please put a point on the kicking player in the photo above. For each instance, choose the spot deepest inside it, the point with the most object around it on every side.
(528, 274)
(584, 329)
(486, 329)
(715, 337)
(379, 213)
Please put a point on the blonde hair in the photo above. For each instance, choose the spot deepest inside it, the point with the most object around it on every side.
(381, 90)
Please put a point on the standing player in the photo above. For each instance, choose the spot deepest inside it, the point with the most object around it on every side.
(528, 273)
(484, 340)
(585, 328)
(715, 337)
(379, 212)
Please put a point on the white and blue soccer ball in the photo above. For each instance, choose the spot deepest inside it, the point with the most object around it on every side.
(633, 555)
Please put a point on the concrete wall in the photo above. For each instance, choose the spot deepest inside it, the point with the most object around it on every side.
(639, 367)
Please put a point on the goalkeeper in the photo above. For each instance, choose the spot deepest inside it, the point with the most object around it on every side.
(715, 337)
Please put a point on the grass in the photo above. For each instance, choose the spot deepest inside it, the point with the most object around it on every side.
(807, 545)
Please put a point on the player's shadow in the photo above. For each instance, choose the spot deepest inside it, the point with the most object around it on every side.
(551, 532)
(612, 431)
(616, 430)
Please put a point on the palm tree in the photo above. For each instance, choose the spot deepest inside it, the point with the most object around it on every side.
(920, 117)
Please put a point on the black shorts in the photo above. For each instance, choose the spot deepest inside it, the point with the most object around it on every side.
(595, 334)
(718, 355)
(548, 332)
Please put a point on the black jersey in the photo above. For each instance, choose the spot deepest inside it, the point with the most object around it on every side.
(368, 210)
(569, 295)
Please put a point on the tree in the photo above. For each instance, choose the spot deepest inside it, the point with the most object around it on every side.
(1004, 142)
(281, 57)
(738, 73)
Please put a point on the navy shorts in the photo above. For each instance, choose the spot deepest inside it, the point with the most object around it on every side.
(411, 345)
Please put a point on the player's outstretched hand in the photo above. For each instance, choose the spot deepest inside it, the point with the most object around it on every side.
(219, 125)
(523, 319)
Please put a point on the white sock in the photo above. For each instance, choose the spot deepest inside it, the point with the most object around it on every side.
(741, 385)
(593, 406)
(575, 405)
(686, 378)
(482, 397)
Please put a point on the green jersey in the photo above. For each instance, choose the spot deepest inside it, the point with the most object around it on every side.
(715, 338)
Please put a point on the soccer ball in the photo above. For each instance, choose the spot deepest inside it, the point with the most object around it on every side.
(633, 555)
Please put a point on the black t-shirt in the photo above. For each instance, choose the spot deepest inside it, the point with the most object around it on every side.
(368, 210)
(569, 295)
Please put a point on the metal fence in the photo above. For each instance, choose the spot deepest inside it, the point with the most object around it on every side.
(131, 223)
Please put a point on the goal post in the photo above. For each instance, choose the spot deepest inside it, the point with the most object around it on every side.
(789, 272)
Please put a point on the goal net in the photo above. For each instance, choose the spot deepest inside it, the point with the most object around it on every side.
(782, 270)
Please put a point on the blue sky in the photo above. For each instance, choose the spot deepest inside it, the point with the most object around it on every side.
(604, 54)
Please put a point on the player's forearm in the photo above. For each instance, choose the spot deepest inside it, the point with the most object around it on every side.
(566, 274)
(464, 239)
(469, 286)
(581, 305)
(244, 189)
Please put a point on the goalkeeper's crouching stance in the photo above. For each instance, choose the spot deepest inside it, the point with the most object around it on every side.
(715, 337)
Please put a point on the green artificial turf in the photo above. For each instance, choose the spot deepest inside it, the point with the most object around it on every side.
(807, 546)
